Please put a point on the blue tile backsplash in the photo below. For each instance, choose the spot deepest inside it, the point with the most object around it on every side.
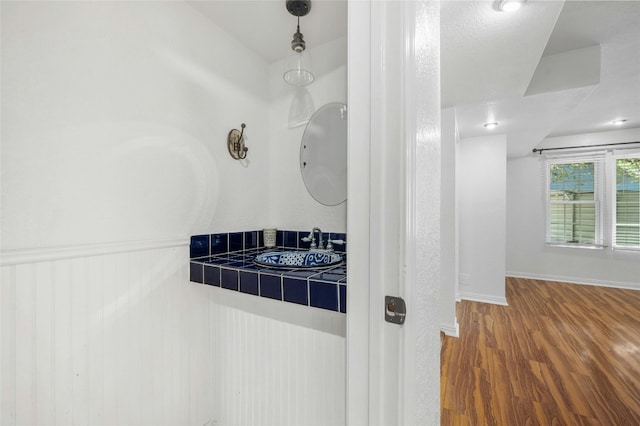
(219, 244)
(236, 241)
(226, 260)
(200, 246)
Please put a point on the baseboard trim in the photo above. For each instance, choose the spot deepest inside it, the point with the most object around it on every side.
(575, 280)
(452, 330)
(46, 254)
(483, 298)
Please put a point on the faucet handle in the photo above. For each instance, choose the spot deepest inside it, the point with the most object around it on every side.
(312, 239)
(330, 243)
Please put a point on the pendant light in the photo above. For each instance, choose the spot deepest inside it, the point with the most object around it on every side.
(298, 65)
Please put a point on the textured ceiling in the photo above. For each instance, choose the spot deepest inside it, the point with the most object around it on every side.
(490, 55)
(576, 107)
(616, 27)
(488, 59)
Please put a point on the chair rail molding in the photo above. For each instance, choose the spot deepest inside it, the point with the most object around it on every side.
(43, 254)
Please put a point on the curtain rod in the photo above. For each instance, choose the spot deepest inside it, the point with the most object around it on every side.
(582, 146)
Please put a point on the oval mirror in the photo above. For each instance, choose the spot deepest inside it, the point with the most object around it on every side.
(323, 154)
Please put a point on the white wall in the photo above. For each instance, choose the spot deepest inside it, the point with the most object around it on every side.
(115, 117)
(291, 205)
(114, 125)
(527, 254)
(449, 223)
(481, 171)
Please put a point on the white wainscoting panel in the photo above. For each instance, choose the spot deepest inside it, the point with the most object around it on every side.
(108, 339)
(122, 338)
(270, 371)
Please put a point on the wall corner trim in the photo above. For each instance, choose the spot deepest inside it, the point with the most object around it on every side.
(44, 254)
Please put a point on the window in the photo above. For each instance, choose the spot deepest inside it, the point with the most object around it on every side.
(579, 202)
(574, 201)
(627, 205)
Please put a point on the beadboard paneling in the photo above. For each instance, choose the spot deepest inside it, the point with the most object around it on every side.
(105, 339)
(274, 372)
(123, 338)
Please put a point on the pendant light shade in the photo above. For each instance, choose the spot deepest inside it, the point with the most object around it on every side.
(301, 108)
(297, 70)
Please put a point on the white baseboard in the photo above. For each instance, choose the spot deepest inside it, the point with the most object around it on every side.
(452, 330)
(575, 280)
(483, 298)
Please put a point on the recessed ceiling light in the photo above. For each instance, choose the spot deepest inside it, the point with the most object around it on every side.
(491, 125)
(619, 122)
(510, 5)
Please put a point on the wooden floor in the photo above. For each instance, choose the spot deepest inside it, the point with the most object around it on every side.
(559, 354)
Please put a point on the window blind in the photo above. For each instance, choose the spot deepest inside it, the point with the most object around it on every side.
(626, 227)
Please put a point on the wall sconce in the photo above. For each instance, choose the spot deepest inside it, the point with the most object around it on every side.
(298, 65)
(235, 143)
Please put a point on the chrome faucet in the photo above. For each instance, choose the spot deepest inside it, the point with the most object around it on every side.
(320, 245)
(311, 237)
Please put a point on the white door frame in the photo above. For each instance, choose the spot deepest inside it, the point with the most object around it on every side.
(359, 134)
(393, 373)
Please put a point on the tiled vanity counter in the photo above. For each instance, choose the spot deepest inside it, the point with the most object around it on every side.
(226, 260)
